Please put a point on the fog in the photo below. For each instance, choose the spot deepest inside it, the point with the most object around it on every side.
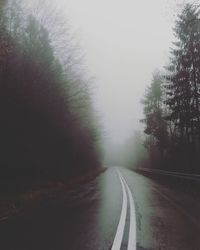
(124, 42)
(100, 143)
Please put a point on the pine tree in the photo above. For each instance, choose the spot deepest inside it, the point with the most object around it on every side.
(155, 125)
(183, 78)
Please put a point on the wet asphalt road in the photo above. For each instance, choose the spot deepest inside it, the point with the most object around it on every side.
(88, 217)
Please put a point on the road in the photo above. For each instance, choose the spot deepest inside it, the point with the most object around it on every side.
(120, 209)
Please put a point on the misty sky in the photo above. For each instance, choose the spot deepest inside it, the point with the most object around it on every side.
(124, 42)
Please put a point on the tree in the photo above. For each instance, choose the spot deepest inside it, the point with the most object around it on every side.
(42, 136)
(155, 125)
(183, 79)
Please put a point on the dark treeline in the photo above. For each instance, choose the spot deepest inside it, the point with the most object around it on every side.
(172, 101)
(47, 126)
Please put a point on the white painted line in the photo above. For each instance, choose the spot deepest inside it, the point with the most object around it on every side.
(132, 228)
(120, 229)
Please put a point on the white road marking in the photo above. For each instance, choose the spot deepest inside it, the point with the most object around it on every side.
(120, 229)
(132, 228)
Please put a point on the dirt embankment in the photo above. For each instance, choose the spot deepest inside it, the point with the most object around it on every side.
(13, 204)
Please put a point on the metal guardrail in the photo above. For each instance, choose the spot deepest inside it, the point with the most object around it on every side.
(194, 177)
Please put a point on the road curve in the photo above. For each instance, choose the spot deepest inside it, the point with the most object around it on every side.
(120, 229)
(132, 228)
(120, 209)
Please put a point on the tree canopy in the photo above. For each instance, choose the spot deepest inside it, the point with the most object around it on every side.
(42, 135)
(172, 101)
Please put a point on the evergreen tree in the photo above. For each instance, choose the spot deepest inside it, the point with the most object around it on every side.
(155, 125)
(183, 80)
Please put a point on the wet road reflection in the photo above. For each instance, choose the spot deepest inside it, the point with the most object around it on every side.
(87, 217)
(162, 222)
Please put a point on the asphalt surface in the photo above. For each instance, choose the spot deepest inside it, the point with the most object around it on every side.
(158, 217)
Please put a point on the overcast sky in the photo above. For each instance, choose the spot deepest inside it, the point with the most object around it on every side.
(124, 41)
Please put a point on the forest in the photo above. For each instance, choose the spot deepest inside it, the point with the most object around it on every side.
(172, 101)
(48, 128)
